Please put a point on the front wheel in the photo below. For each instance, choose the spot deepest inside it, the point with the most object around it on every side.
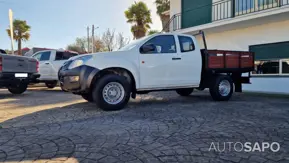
(18, 89)
(185, 91)
(51, 84)
(222, 89)
(111, 92)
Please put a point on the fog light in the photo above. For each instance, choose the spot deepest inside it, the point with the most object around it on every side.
(74, 78)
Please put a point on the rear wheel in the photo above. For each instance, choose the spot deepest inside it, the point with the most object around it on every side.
(51, 84)
(88, 97)
(222, 89)
(185, 91)
(18, 89)
(111, 92)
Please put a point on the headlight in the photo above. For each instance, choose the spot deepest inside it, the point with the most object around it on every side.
(79, 61)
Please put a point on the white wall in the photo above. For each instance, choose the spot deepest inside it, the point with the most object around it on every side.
(240, 39)
(176, 7)
(268, 85)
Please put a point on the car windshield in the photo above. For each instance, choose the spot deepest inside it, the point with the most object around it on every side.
(132, 44)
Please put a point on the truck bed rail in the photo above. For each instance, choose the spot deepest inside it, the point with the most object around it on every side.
(228, 61)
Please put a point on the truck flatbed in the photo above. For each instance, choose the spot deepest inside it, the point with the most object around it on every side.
(224, 61)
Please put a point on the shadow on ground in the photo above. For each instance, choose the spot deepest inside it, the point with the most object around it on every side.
(158, 127)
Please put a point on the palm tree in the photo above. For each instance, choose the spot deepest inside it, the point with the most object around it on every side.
(162, 6)
(21, 32)
(140, 16)
(151, 32)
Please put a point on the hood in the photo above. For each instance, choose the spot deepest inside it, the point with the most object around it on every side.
(100, 54)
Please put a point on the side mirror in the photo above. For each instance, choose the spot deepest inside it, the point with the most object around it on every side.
(148, 48)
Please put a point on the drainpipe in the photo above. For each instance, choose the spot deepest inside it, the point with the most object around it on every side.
(233, 7)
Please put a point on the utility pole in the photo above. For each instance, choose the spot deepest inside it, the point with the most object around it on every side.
(88, 40)
(11, 30)
(92, 39)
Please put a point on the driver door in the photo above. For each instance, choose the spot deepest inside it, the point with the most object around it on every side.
(44, 64)
(158, 63)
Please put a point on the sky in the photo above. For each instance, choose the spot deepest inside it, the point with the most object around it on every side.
(56, 23)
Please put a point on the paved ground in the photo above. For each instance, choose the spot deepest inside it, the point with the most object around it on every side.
(51, 126)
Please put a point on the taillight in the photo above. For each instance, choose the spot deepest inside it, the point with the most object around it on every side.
(37, 66)
(0, 63)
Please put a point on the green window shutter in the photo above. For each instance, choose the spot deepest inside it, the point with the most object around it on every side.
(196, 12)
(271, 51)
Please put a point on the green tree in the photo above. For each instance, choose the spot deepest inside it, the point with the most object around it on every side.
(162, 6)
(151, 32)
(139, 16)
(21, 32)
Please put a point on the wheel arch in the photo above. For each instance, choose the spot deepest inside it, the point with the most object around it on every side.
(116, 70)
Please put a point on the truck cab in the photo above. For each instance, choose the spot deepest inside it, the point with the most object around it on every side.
(164, 61)
(50, 62)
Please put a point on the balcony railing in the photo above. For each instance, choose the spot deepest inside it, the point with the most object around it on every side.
(226, 9)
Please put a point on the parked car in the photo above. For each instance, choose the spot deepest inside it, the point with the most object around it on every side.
(16, 72)
(156, 63)
(50, 62)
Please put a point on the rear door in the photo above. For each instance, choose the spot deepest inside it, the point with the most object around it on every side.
(60, 58)
(190, 65)
(12, 63)
(44, 64)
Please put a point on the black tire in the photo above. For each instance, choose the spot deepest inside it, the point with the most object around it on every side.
(88, 97)
(97, 92)
(18, 89)
(185, 91)
(215, 88)
(51, 84)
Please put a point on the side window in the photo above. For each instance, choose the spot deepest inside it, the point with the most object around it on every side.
(37, 56)
(64, 55)
(186, 44)
(159, 45)
(45, 56)
(59, 56)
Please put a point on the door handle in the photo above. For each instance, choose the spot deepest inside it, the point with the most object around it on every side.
(176, 59)
(47, 63)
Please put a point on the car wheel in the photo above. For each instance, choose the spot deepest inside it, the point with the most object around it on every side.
(87, 96)
(111, 92)
(18, 89)
(185, 91)
(51, 84)
(222, 89)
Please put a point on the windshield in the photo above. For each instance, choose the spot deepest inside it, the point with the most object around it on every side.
(132, 44)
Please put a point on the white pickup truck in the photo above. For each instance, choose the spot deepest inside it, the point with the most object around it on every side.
(156, 63)
(50, 62)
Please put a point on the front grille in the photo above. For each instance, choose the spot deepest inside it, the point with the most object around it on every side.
(63, 68)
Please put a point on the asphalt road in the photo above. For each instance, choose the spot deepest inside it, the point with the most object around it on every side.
(45, 125)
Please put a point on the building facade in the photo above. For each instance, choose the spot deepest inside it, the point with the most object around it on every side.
(261, 26)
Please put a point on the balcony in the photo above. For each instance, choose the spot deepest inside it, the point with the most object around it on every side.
(222, 10)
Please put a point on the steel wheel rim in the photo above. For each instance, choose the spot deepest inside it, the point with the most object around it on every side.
(224, 88)
(113, 93)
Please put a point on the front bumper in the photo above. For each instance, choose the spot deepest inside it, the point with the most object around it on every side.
(9, 79)
(77, 80)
